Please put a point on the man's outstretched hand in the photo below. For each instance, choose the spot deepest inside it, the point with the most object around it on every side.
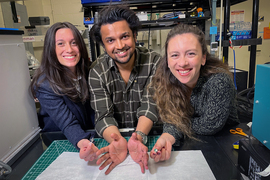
(138, 152)
(115, 153)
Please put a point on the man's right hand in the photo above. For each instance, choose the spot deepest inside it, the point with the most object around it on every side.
(115, 153)
(87, 150)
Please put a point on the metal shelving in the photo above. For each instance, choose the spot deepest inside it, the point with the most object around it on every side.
(253, 42)
(151, 7)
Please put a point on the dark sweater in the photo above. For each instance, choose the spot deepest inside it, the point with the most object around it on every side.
(214, 103)
(59, 113)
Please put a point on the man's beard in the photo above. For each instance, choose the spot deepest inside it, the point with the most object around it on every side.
(125, 62)
(129, 58)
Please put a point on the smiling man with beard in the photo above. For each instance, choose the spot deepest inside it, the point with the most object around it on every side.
(118, 82)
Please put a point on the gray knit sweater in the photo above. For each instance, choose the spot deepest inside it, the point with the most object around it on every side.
(214, 103)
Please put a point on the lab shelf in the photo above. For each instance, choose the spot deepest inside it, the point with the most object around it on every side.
(151, 7)
(242, 42)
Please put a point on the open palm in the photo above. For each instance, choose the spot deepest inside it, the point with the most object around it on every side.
(115, 153)
(138, 152)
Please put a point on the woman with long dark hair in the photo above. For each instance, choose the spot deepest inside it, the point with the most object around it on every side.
(61, 86)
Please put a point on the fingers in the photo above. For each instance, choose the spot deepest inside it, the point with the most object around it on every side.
(145, 160)
(88, 153)
(157, 158)
(83, 148)
(163, 154)
(141, 157)
(106, 163)
(111, 167)
(91, 158)
(134, 136)
(142, 167)
(115, 137)
(82, 153)
(168, 152)
(103, 150)
(103, 158)
(155, 151)
(93, 151)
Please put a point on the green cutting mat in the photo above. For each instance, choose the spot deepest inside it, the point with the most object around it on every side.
(60, 146)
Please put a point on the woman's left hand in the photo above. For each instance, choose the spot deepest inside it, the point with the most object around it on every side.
(163, 147)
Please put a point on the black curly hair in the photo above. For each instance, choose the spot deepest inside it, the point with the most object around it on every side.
(112, 14)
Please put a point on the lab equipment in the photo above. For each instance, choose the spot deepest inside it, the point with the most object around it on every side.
(253, 158)
(214, 46)
(17, 107)
(261, 113)
(39, 20)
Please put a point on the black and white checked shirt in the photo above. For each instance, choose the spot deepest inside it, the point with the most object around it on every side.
(116, 103)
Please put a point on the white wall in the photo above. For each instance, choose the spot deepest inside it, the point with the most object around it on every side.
(57, 10)
(1, 18)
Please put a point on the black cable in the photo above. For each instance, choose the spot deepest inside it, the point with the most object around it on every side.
(248, 94)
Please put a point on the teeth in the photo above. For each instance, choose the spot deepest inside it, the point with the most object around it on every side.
(69, 57)
(121, 52)
(183, 72)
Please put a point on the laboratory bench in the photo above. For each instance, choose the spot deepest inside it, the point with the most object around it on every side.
(218, 151)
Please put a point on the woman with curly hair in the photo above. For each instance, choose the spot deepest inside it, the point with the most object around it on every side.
(194, 91)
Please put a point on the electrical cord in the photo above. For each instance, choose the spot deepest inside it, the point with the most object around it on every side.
(234, 68)
(248, 94)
